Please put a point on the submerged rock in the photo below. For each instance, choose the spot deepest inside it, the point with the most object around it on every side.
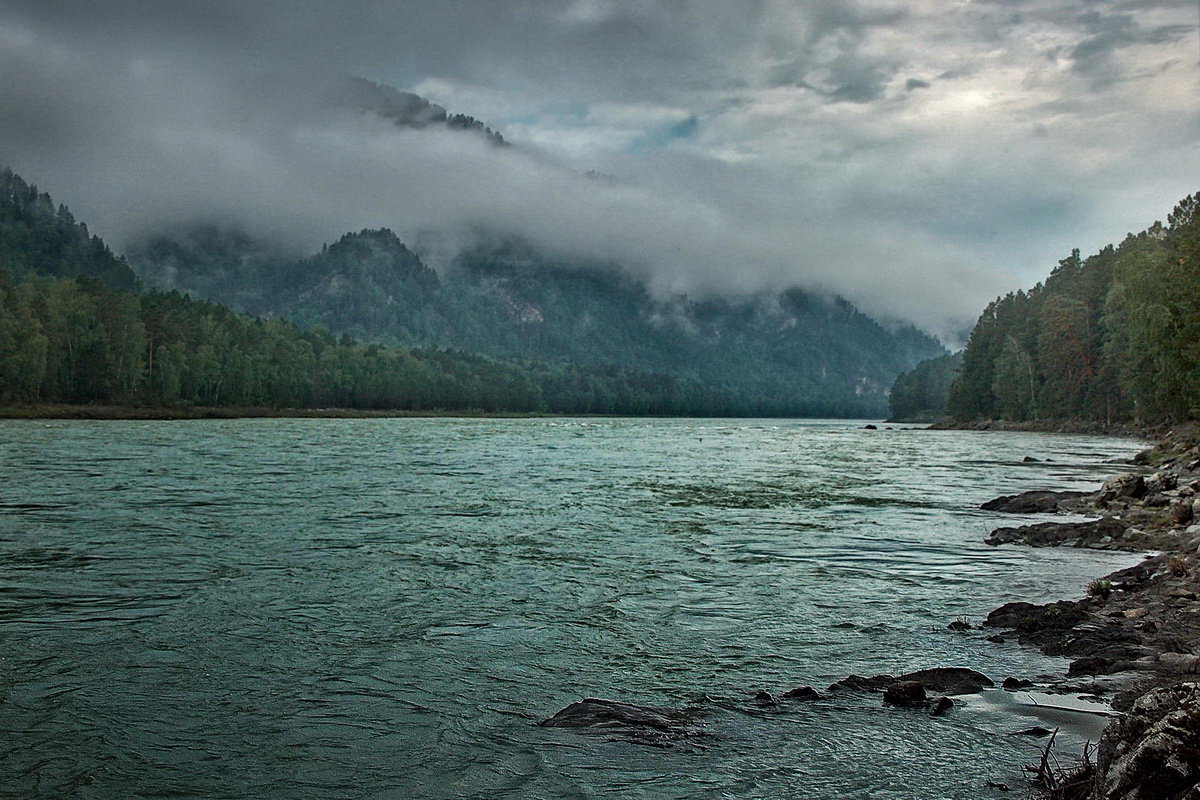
(802, 693)
(959, 625)
(1153, 752)
(644, 723)
(941, 706)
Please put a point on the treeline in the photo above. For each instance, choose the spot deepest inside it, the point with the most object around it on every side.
(37, 237)
(77, 328)
(1111, 338)
(77, 341)
(921, 394)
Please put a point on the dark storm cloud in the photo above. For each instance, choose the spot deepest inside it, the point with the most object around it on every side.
(749, 144)
(1095, 56)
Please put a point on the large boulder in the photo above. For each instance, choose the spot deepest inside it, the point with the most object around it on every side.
(1038, 502)
(1093, 533)
(949, 680)
(1027, 617)
(905, 693)
(1153, 752)
(1126, 485)
(642, 723)
(858, 683)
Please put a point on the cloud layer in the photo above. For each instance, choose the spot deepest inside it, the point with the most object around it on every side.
(918, 157)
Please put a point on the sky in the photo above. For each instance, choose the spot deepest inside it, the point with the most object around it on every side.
(919, 157)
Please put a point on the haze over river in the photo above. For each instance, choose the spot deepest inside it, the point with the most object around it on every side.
(384, 608)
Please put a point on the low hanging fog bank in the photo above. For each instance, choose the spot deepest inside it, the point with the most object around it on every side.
(817, 145)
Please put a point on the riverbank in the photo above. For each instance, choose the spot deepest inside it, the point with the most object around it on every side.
(1046, 426)
(1135, 638)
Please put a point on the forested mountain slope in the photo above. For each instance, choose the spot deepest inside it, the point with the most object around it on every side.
(37, 237)
(505, 299)
(75, 327)
(1110, 338)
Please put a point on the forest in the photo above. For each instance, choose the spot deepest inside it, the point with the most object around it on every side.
(504, 298)
(1111, 338)
(77, 327)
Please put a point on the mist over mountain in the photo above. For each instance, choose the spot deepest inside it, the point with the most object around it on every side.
(504, 298)
(407, 110)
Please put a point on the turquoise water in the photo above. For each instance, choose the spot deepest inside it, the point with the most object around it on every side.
(383, 608)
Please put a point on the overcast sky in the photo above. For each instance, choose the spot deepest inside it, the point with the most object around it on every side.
(919, 157)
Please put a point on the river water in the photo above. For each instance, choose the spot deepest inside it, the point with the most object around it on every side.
(384, 608)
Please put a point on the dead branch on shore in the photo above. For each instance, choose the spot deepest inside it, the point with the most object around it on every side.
(1053, 781)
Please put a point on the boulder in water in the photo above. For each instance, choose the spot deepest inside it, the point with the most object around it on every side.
(650, 724)
(949, 680)
(904, 693)
(857, 683)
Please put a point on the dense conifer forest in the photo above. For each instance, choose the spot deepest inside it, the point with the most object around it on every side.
(1111, 338)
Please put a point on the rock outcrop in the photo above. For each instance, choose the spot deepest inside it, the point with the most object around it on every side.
(1153, 752)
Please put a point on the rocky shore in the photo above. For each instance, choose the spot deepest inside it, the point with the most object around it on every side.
(1134, 640)
(1135, 637)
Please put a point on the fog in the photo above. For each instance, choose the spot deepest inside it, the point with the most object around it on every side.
(918, 158)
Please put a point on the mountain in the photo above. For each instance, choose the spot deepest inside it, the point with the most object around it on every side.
(38, 237)
(407, 110)
(77, 328)
(505, 299)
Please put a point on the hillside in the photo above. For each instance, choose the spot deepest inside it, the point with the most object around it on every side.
(507, 300)
(1111, 338)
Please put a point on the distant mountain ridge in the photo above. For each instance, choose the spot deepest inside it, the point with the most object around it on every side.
(506, 299)
(407, 110)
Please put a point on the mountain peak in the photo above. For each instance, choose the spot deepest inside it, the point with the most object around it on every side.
(407, 110)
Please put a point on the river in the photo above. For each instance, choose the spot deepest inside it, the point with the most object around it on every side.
(384, 608)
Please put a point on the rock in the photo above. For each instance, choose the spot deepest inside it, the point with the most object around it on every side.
(1027, 617)
(857, 683)
(948, 680)
(1181, 513)
(802, 693)
(1052, 534)
(996, 638)
(765, 698)
(1161, 482)
(941, 706)
(870, 427)
(1013, 684)
(1038, 502)
(648, 723)
(1181, 663)
(1153, 752)
(1121, 486)
(1036, 731)
(904, 693)
(959, 625)
(1029, 460)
